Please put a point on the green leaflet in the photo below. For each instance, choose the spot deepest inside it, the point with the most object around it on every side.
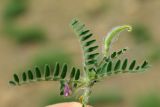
(60, 74)
(117, 66)
(90, 49)
(47, 71)
(16, 78)
(77, 76)
(30, 75)
(64, 71)
(56, 70)
(144, 65)
(24, 76)
(73, 71)
(122, 66)
(132, 65)
(12, 83)
(116, 54)
(92, 61)
(91, 56)
(109, 68)
(112, 35)
(38, 72)
(88, 44)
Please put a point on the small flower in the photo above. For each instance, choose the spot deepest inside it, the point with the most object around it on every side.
(67, 90)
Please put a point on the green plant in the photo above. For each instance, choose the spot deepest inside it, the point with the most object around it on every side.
(13, 10)
(154, 56)
(25, 35)
(148, 100)
(47, 56)
(95, 68)
(141, 33)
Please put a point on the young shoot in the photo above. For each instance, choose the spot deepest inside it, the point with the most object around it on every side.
(80, 82)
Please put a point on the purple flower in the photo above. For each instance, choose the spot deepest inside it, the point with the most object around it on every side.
(67, 90)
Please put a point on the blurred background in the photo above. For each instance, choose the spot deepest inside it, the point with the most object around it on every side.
(35, 32)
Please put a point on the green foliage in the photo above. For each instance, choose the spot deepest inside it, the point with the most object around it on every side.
(14, 9)
(93, 69)
(121, 66)
(116, 54)
(154, 56)
(47, 74)
(149, 100)
(88, 44)
(27, 35)
(141, 33)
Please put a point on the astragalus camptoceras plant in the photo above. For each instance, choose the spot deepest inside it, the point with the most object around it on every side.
(96, 65)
